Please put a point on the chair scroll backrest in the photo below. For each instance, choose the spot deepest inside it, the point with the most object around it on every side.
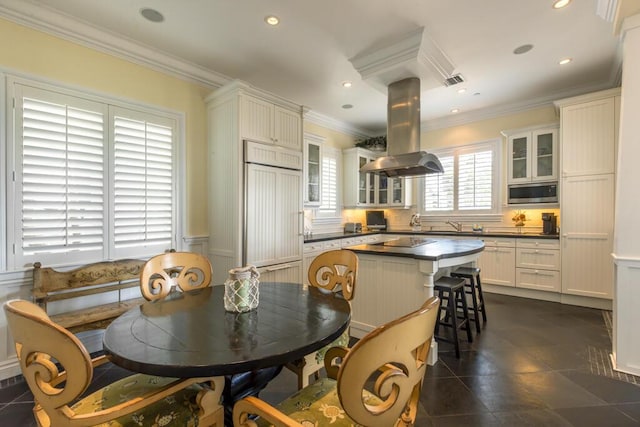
(38, 340)
(335, 270)
(399, 350)
(186, 270)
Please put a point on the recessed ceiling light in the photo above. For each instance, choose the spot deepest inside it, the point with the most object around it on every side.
(151, 15)
(558, 4)
(347, 106)
(272, 20)
(565, 61)
(455, 110)
(462, 90)
(346, 84)
(522, 49)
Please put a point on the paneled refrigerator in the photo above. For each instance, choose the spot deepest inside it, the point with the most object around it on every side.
(272, 214)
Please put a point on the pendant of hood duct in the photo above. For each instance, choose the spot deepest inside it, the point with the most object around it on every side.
(403, 135)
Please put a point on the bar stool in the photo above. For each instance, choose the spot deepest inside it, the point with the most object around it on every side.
(473, 287)
(450, 290)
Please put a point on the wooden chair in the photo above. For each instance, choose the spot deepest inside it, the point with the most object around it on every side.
(378, 382)
(164, 272)
(58, 370)
(334, 271)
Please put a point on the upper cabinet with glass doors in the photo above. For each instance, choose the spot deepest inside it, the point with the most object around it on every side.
(313, 169)
(369, 190)
(532, 154)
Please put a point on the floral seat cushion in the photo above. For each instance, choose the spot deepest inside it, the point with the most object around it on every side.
(179, 409)
(342, 341)
(318, 405)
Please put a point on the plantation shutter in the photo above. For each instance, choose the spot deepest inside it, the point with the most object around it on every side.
(60, 177)
(143, 189)
(439, 188)
(475, 180)
(329, 192)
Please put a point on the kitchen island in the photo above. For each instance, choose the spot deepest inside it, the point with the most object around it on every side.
(396, 276)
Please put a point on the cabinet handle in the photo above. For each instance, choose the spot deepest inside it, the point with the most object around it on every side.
(280, 267)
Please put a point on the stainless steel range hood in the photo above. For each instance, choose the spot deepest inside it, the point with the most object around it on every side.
(403, 135)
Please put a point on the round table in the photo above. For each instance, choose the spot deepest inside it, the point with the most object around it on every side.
(191, 335)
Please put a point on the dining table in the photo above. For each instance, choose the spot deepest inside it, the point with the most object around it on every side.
(190, 334)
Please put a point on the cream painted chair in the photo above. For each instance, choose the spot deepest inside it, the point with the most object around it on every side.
(58, 370)
(377, 383)
(334, 271)
(184, 270)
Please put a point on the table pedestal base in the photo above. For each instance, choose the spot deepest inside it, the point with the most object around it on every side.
(238, 386)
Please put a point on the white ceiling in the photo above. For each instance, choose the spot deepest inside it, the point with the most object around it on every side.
(307, 57)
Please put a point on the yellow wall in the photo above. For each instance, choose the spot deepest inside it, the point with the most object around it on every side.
(334, 138)
(40, 55)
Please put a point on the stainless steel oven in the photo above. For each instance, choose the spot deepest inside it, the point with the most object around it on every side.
(542, 192)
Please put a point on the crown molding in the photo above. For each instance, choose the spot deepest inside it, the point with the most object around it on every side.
(52, 22)
(337, 125)
(461, 119)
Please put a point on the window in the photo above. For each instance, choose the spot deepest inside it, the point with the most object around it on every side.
(331, 164)
(469, 184)
(92, 180)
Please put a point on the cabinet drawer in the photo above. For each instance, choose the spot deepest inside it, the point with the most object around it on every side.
(330, 245)
(544, 280)
(538, 243)
(313, 247)
(498, 242)
(538, 258)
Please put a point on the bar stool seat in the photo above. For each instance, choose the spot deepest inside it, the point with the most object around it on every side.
(450, 290)
(473, 287)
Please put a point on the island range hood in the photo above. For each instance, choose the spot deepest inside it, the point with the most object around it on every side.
(404, 157)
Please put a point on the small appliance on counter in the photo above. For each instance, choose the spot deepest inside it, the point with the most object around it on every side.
(353, 227)
(376, 220)
(549, 223)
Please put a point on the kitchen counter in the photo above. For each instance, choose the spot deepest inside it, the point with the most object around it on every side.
(343, 235)
(433, 250)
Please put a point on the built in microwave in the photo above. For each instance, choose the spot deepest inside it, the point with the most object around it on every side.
(542, 192)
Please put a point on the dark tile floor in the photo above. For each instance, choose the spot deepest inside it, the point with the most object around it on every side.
(534, 364)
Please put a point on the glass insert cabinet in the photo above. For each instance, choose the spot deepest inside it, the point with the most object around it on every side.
(532, 154)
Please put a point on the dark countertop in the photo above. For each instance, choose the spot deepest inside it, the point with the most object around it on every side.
(435, 250)
(344, 235)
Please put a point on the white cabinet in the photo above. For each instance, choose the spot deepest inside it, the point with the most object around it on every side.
(588, 132)
(538, 264)
(236, 112)
(312, 170)
(532, 154)
(369, 190)
(288, 272)
(264, 121)
(498, 261)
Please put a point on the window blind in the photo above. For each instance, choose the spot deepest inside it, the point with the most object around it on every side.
(475, 180)
(143, 183)
(439, 188)
(62, 170)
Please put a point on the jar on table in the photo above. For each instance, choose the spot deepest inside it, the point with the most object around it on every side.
(241, 290)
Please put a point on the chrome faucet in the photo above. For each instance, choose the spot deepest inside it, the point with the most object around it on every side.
(456, 225)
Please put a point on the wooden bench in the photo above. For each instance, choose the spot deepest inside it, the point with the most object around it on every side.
(113, 277)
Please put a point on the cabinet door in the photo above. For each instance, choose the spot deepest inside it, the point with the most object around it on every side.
(588, 138)
(587, 235)
(287, 128)
(498, 266)
(274, 215)
(256, 122)
(519, 158)
(383, 190)
(544, 155)
(313, 168)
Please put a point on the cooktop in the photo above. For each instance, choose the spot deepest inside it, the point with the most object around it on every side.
(408, 242)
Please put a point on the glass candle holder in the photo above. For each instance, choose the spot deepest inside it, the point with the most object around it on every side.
(241, 290)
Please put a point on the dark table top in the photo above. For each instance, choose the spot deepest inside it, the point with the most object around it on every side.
(434, 250)
(191, 335)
